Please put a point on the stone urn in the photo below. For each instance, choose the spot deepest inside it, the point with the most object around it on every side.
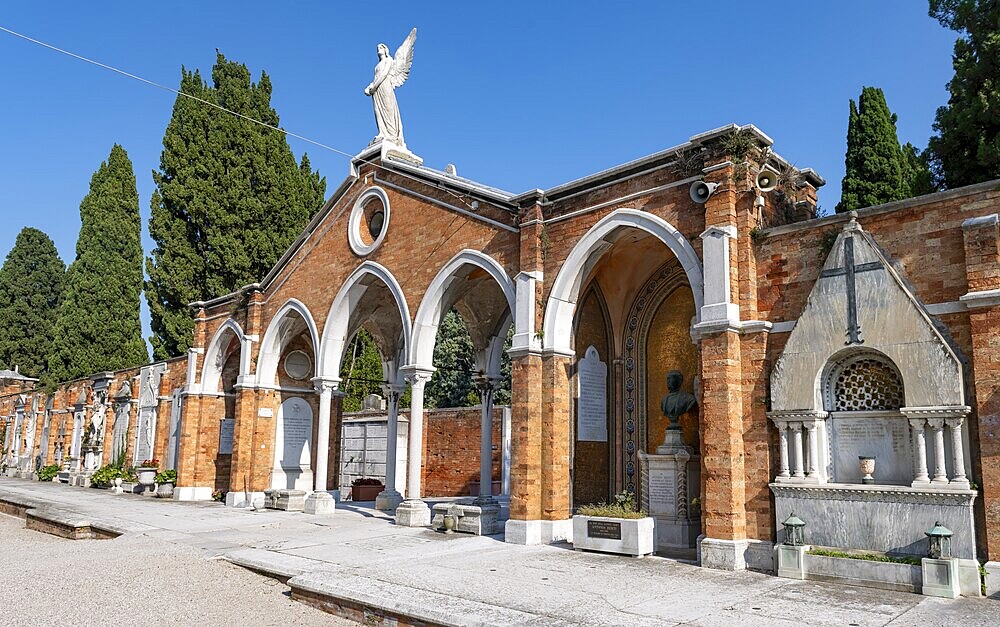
(165, 490)
(867, 466)
(449, 521)
(146, 475)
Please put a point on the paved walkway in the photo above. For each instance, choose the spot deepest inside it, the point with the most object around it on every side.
(358, 554)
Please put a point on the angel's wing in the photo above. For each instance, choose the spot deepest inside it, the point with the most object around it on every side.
(403, 59)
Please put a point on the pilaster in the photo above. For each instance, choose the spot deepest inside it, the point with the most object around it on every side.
(982, 262)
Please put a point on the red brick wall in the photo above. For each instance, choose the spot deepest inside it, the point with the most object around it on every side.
(451, 450)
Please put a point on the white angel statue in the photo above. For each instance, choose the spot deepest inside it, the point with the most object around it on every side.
(390, 73)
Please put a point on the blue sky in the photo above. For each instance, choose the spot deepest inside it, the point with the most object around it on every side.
(516, 95)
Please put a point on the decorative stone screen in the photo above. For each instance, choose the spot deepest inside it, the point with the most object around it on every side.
(865, 382)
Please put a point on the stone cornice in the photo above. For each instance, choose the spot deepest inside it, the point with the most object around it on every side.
(875, 493)
(944, 411)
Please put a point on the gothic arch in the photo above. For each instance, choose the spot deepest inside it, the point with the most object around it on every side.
(434, 305)
(558, 323)
(211, 372)
(337, 330)
(273, 342)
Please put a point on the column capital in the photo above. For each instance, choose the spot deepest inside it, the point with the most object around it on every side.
(390, 389)
(417, 375)
(938, 411)
(326, 384)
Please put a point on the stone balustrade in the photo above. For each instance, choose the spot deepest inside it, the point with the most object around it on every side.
(803, 451)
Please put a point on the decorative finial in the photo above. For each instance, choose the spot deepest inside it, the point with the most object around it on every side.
(852, 224)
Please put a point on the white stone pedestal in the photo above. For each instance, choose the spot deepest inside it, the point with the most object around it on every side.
(320, 503)
(665, 494)
(388, 500)
(940, 577)
(791, 560)
(413, 513)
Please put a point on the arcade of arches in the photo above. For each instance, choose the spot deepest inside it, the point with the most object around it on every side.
(609, 283)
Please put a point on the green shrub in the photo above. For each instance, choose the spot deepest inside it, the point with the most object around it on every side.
(167, 476)
(48, 473)
(871, 557)
(105, 476)
(623, 507)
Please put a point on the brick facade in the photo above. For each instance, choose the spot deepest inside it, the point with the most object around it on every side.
(945, 246)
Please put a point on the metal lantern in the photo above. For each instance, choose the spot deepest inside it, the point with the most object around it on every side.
(939, 538)
(793, 530)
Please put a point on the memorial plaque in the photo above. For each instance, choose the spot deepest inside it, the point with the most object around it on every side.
(265, 412)
(144, 434)
(592, 407)
(888, 439)
(662, 493)
(294, 433)
(227, 427)
(604, 529)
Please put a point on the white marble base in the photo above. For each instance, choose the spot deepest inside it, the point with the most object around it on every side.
(193, 494)
(791, 560)
(940, 577)
(239, 499)
(413, 513)
(320, 504)
(388, 500)
(724, 554)
(538, 531)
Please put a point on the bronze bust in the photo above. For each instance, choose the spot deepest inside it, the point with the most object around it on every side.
(677, 402)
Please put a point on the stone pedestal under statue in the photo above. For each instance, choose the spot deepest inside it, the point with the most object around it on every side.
(669, 479)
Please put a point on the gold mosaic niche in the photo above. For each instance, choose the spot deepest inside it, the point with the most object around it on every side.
(669, 347)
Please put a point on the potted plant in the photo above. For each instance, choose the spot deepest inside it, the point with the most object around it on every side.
(48, 473)
(146, 471)
(165, 483)
(365, 489)
(614, 528)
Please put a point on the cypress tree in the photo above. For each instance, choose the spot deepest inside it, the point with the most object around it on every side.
(876, 169)
(362, 369)
(451, 384)
(230, 199)
(966, 148)
(31, 283)
(97, 327)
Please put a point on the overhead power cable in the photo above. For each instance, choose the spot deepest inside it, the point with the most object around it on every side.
(220, 108)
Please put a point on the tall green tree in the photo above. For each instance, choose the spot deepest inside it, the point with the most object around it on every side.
(966, 148)
(877, 169)
(230, 199)
(361, 370)
(97, 327)
(31, 284)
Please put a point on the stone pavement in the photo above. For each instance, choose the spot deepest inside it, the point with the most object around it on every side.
(360, 559)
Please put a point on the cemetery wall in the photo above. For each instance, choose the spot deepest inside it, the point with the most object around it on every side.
(451, 449)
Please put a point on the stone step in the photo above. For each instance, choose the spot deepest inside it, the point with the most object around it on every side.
(368, 600)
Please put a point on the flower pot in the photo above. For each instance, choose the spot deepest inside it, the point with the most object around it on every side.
(147, 476)
(365, 492)
(867, 466)
(628, 536)
(165, 490)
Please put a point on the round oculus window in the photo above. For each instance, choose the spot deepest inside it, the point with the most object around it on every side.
(298, 365)
(369, 221)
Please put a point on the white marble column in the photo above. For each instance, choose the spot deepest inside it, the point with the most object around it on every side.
(957, 454)
(390, 498)
(320, 501)
(782, 451)
(486, 386)
(797, 462)
(919, 451)
(413, 512)
(813, 449)
(940, 468)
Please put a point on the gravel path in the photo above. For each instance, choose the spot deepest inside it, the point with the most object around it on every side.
(134, 581)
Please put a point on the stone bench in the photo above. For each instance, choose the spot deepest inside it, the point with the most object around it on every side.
(481, 520)
(286, 500)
